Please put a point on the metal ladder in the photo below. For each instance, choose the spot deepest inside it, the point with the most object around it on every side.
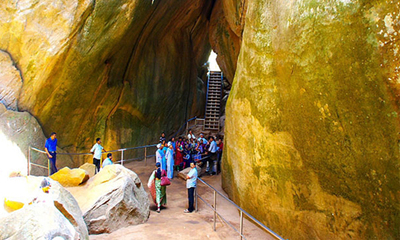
(214, 92)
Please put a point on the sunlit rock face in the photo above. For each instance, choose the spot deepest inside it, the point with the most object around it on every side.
(312, 124)
(18, 131)
(121, 70)
(11, 82)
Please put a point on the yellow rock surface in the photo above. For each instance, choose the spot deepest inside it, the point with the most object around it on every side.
(312, 120)
(69, 177)
(89, 168)
(11, 205)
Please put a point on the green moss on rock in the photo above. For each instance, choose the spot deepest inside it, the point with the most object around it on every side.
(312, 111)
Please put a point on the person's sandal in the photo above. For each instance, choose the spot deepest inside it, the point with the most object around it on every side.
(186, 211)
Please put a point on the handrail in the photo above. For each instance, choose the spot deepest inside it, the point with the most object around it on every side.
(237, 207)
(30, 164)
(180, 129)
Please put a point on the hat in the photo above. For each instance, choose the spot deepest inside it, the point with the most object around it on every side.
(169, 144)
(158, 164)
(159, 145)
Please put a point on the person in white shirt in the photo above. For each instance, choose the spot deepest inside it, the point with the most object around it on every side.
(191, 135)
(212, 156)
(191, 183)
(107, 161)
(97, 149)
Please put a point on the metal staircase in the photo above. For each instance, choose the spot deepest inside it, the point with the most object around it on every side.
(214, 91)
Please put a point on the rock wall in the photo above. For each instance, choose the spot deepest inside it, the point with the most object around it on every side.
(121, 70)
(225, 37)
(312, 121)
(18, 131)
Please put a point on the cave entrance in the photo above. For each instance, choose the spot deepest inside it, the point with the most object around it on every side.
(212, 62)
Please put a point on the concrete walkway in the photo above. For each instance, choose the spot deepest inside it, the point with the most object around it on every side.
(173, 223)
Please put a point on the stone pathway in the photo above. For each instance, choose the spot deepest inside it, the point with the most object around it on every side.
(172, 223)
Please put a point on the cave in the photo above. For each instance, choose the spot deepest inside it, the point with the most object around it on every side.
(312, 127)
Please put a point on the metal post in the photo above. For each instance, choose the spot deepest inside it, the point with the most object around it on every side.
(241, 224)
(215, 211)
(145, 156)
(48, 167)
(122, 157)
(196, 199)
(29, 161)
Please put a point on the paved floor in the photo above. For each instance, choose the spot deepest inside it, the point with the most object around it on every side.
(173, 223)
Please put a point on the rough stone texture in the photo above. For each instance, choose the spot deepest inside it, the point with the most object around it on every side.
(114, 198)
(18, 131)
(312, 121)
(121, 70)
(23, 190)
(10, 81)
(89, 168)
(70, 177)
(224, 41)
(38, 221)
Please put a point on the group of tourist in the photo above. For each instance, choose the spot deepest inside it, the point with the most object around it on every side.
(97, 150)
(170, 156)
(177, 155)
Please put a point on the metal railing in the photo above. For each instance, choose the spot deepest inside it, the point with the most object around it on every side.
(187, 127)
(196, 123)
(122, 150)
(241, 212)
(121, 161)
(215, 191)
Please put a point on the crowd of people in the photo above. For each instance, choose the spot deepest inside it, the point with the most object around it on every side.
(178, 154)
(171, 156)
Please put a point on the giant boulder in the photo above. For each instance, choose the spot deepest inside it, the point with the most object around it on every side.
(112, 199)
(58, 214)
(38, 221)
(312, 121)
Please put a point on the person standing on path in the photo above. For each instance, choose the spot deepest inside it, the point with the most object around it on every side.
(159, 153)
(212, 150)
(97, 149)
(51, 149)
(191, 135)
(158, 192)
(191, 183)
(162, 138)
(169, 156)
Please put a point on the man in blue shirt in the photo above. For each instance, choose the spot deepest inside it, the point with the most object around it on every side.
(212, 156)
(191, 183)
(202, 139)
(51, 147)
(108, 160)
